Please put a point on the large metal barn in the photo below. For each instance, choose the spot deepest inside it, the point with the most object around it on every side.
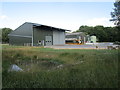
(33, 34)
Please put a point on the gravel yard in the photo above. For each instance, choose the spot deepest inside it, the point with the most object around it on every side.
(85, 46)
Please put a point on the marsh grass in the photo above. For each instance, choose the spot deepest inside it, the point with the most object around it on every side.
(99, 68)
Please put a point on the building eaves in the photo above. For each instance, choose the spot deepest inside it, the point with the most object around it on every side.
(38, 25)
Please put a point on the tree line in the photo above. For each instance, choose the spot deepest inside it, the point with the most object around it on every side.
(103, 34)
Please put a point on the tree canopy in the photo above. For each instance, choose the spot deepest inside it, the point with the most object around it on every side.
(5, 32)
(104, 34)
(116, 13)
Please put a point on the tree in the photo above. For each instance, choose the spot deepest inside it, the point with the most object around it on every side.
(116, 13)
(5, 32)
(86, 29)
(100, 33)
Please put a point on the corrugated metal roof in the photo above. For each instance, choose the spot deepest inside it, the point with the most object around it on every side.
(78, 33)
(38, 25)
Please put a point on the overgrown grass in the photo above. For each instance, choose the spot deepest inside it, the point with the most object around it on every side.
(50, 68)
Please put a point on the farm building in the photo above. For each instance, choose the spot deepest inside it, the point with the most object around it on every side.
(75, 38)
(36, 35)
(91, 39)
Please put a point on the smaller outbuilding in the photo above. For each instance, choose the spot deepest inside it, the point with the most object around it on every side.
(91, 39)
(75, 38)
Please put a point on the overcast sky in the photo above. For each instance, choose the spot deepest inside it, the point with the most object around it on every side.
(66, 15)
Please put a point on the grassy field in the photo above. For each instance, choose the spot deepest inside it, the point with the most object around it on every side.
(50, 68)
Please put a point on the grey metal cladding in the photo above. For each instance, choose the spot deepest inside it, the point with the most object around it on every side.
(21, 36)
(39, 33)
(58, 37)
(13, 40)
(24, 30)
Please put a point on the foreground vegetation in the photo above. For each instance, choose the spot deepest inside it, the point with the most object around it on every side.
(50, 68)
